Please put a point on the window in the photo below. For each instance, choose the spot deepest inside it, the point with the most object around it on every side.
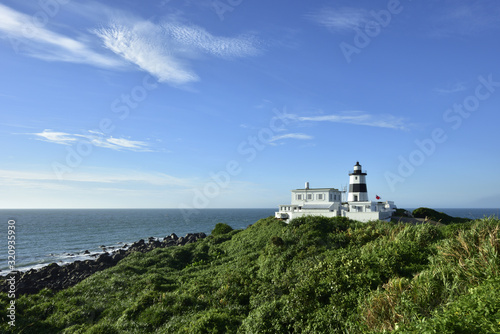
(320, 196)
(309, 196)
(332, 197)
(299, 197)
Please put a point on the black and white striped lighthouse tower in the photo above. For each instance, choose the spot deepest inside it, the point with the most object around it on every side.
(357, 185)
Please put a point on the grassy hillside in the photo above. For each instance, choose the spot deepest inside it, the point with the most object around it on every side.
(316, 275)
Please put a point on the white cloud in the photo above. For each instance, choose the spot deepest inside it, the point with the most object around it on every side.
(98, 175)
(164, 49)
(57, 137)
(199, 38)
(357, 118)
(339, 19)
(142, 45)
(299, 136)
(458, 87)
(95, 138)
(40, 42)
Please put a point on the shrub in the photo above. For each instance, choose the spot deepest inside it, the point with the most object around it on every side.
(221, 228)
(277, 241)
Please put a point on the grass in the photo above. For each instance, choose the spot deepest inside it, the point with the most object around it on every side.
(315, 275)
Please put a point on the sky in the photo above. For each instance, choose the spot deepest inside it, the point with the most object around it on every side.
(233, 103)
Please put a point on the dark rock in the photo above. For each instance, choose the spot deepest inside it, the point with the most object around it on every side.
(173, 236)
(86, 252)
(169, 243)
(138, 243)
(155, 244)
(104, 258)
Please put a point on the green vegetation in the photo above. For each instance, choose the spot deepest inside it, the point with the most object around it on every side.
(315, 275)
(221, 228)
(437, 216)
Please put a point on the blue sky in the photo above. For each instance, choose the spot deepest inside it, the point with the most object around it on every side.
(233, 103)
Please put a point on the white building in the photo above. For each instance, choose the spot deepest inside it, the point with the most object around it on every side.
(328, 202)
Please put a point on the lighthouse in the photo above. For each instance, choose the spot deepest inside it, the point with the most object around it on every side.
(357, 185)
(329, 202)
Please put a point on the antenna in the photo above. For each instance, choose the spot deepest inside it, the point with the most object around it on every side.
(343, 192)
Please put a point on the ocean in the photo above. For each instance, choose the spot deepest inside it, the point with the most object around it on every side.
(44, 236)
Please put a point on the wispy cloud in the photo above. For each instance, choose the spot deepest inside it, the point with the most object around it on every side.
(142, 46)
(455, 88)
(164, 50)
(464, 18)
(92, 176)
(357, 118)
(339, 19)
(97, 139)
(299, 136)
(220, 46)
(41, 42)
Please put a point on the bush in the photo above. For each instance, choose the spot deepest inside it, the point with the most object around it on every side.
(277, 241)
(221, 228)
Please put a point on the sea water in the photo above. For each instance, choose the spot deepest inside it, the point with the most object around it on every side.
(62, 236)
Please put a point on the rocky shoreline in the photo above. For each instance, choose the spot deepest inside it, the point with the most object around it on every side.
(56, 277)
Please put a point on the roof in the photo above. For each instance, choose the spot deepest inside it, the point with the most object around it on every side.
(317, 189)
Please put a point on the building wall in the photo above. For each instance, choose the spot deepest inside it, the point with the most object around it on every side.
(313, 196)
(367, 216)
(359, 216)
